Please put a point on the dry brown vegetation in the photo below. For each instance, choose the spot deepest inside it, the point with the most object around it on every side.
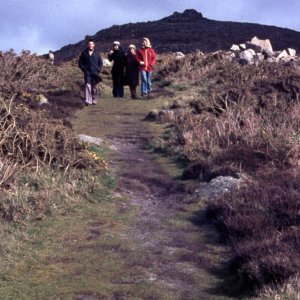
(236, 119)
(43, 165)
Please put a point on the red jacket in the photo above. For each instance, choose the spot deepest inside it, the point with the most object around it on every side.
(148, 56)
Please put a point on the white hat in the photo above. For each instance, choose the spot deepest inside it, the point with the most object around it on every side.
(116, 43)
(131, 46)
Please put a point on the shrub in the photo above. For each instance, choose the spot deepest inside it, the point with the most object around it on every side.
(261, 224)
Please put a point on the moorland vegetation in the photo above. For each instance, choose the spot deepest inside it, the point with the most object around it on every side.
(241, 121)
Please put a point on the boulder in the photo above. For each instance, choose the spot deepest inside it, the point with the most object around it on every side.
(260, 57)
(252, 52)
(271, 60)
(235, 48)
(291, 52)
(246, 57)
(243, 46)
(166, 115)
(90, 139)
(256, 48)
(152, 115)
(264, 44)
(41, 99)
(179, 55)
(283, 54)
(106, 63)
(219, 186)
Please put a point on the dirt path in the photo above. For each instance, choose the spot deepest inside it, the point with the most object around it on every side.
(173, 253)
(139, 242)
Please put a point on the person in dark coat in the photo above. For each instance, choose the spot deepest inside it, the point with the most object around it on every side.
(90, 63)
(117, 55)
(132, 71)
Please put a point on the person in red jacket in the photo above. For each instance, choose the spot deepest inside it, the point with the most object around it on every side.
(146, 57)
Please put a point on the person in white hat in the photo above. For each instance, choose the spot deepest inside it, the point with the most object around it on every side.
(117, 55)
(132, 71)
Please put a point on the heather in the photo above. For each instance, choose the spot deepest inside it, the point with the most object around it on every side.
(241, 120)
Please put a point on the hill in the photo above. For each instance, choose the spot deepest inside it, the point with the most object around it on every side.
(186, 32)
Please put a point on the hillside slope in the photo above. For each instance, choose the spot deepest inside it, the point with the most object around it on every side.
(186, 32)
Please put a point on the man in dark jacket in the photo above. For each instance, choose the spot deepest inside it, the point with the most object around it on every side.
(117, 55)
(90, 63)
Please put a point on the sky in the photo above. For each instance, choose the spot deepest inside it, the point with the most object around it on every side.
(40, 26)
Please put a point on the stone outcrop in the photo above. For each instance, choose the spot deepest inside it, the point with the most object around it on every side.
(258, 50)
(179, 55)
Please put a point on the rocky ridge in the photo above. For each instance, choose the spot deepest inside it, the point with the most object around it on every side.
(185, 32)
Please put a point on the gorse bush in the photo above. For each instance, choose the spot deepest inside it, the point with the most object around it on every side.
(25, 72)
(37, 139)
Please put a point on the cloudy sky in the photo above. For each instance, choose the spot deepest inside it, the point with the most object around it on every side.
(39, 26)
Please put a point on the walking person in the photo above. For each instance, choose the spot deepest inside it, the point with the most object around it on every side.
(132, 71)
(147, 58)
(117, 55)
(90, 63)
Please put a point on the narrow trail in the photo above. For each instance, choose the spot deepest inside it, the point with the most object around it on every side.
(173, 253)
(141, 240)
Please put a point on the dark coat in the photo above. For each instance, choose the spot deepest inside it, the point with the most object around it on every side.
(132, 70)
(90, 64)
(118, 57)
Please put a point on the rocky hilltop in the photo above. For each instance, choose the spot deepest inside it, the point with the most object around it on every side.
(186, 32)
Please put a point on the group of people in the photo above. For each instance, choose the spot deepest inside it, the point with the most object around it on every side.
(126, 69)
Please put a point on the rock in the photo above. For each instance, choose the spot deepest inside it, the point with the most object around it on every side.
(200, 53)
(41, 99)
(264, 44)
(179, 55)
(90, 139)
(256, 48)
(260, 57)
(291, 52)
(218, 187)
(283, 54)
(252, 52)
(106, 63)
(152, 115)
(167, 115)
(271, 60)
(235, 48)
(246, 57)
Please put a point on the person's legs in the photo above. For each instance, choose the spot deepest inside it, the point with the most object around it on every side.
(120, 86)
(133, 91)
(114, 90)
(88, 89)
(144, 83)
(149, 82)
(95, 92)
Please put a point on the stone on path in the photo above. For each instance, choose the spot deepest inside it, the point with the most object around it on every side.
(90, 139)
